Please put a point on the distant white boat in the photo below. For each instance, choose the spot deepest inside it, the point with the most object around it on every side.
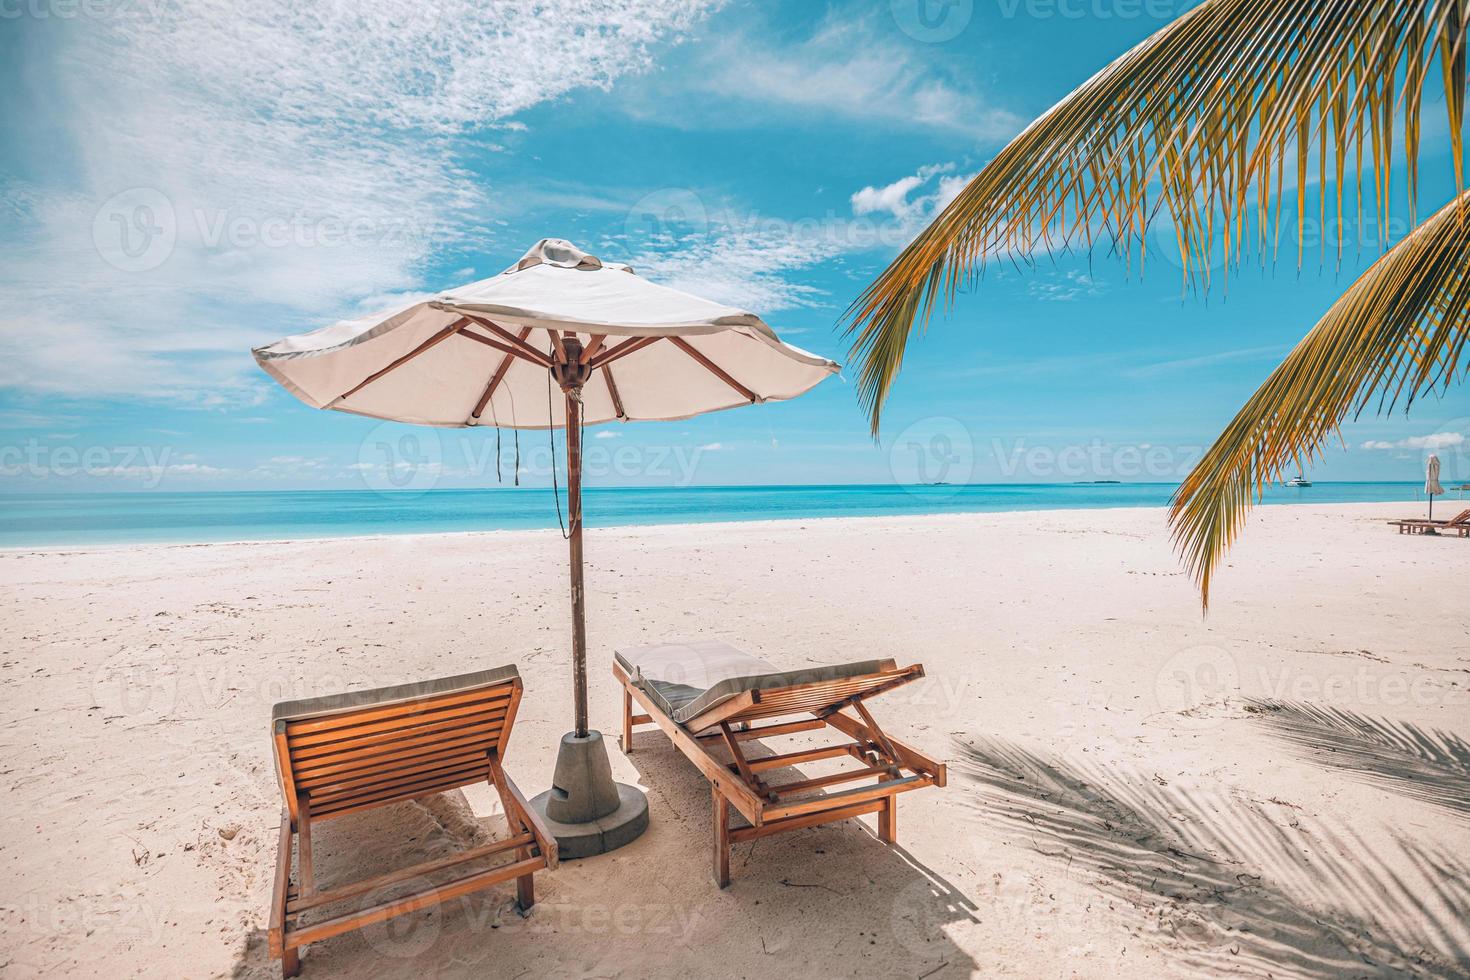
(1298, 481)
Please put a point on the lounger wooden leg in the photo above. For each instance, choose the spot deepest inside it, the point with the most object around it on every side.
(290, 963)
(627, 721)
(888, 821)
(722, 838)
(525, 892)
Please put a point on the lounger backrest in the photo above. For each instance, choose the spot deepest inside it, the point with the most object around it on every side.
(352, 752)
(1463, 517)
(814, 696)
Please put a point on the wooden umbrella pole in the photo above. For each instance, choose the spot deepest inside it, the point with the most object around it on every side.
(571, 374)
(574, 537)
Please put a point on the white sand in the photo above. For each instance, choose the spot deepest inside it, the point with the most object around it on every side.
(1118, 804)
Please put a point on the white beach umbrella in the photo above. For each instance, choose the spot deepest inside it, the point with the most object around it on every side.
(1431, 481)
(479, 354)
(618, 346)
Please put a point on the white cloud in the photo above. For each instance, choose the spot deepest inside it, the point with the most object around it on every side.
(894, 198)
(276, 162)
(711, 447)
(849, 67)
(1432, 443)
(747, 269)
(607, 433)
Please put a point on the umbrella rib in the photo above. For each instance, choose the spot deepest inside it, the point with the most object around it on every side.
(612, 389)
(539, 359)
(624, 349)
(714, 368)
(442, 335)
(556, 344)
(495, 380)
(511, 339)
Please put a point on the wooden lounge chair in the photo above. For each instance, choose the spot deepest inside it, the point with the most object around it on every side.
(708, 692)
(1460, 524)
(347, 753)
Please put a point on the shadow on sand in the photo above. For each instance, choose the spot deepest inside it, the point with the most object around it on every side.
(832, 900)
(1424, 764)
(1232, 883)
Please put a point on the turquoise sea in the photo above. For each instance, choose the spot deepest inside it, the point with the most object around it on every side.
(39, 520)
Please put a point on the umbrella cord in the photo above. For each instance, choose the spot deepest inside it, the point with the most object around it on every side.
(551, 434)
(498, 477)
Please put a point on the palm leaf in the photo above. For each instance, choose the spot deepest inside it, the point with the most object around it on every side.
(1198, 123)
(1398, 333)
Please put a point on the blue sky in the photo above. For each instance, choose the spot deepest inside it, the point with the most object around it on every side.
(184, 184)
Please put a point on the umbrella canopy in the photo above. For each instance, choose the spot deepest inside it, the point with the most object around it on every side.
(479, 354)
(1431, 477)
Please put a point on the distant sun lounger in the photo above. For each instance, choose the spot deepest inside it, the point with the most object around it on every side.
(1460, 524)
(708, 692)
(348, 753)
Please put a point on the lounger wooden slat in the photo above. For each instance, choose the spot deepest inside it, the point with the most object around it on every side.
(742, 834)
(1460, 524)
(715, 694)
(348, 717)
(322, 769)
(346, 754)
(330, 795)
(327, 742)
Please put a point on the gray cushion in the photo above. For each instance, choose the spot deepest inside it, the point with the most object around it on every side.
(686, 679)
(352, 700)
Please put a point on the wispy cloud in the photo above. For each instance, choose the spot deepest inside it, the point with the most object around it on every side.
(854, 68)
(1069, 286)
(251, 170)
(1180, 364)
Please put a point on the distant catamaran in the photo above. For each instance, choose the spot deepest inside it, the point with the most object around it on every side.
(1298, 481)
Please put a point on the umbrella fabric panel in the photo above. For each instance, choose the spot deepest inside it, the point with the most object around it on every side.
(580, 299)
(1431, 477)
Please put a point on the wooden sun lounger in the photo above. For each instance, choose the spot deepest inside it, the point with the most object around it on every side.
(1460, 524)
(733, 691)
(348, 753)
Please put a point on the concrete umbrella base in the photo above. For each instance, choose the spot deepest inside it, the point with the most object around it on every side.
(585, 810)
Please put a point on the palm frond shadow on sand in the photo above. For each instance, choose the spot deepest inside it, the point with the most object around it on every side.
(1425, 764)
(1229, 883)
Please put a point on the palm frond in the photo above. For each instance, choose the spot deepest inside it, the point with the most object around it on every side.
(1398, 333)
(1200, 123)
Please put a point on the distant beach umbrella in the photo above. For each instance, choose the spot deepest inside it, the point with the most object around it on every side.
(617, 347)
(1431, 481)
